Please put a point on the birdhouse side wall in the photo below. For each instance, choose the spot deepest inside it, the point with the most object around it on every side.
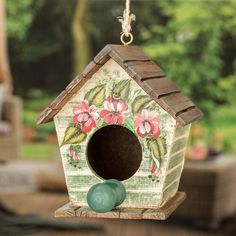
(91, 109)
(176, 161)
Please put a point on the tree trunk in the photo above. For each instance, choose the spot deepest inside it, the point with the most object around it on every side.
(81, 49)
(5, 74)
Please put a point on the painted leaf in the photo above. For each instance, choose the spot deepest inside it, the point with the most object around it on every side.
(100, 122)
(129, 122)
(140, 103)
(96, 96)
(75, 148)
(157, 148)
(121, 90)
(73, 135)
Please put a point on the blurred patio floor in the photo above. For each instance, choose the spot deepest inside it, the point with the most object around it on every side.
(46, 203)
(24, 201)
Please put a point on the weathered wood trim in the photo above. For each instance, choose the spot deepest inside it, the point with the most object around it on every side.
(178, 102)
(66, 211)
(128, 53)
(188, 116)
(74, 85)
(60, 100)
(167, 209)
(161, 86)
(47, 115)
(145, 70)
(87, 212)
(90, 69)
(136, 214)
(103, 56)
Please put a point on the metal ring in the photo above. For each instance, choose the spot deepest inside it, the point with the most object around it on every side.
(128, 42)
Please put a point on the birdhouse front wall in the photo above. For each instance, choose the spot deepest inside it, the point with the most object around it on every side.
(112, 97)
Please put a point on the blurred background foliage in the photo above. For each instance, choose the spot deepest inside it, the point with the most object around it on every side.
(194, 41)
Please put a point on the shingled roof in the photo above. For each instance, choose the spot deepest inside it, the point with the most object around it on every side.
(145, 72)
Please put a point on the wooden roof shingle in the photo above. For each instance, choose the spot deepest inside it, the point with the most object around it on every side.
(150, 77)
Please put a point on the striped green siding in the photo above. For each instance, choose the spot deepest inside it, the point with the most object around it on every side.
(81, 181)
(176, 159)
(181, 130)
(132, 199)
(135, 183)
(175, 174)
(170, 190)
(179, 144)
(78, 198)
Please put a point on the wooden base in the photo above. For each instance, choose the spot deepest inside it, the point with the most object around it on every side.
(127, 213)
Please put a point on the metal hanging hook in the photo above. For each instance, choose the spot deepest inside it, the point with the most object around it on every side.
(130, 36)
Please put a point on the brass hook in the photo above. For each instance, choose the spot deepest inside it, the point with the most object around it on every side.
(128, 42)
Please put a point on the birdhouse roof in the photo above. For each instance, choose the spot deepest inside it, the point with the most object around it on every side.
(150, 77)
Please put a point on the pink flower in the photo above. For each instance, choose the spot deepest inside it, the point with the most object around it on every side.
(152, 169)
(74, 155)
(157, 173)
(85, 115)
(147, 123)
(115, 111)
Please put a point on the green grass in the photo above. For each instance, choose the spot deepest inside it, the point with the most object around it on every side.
(38, 151)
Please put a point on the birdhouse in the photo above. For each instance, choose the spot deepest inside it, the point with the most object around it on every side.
(122, 119)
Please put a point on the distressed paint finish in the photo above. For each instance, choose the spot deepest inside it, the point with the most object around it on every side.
(125, 213)
(144, 188)
(176, 161)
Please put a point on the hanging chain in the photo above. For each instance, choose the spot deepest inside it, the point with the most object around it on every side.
(126, 21)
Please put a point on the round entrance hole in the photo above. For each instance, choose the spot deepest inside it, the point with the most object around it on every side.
(114, 152)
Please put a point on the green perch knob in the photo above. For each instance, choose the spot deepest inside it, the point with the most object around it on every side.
(103, 197)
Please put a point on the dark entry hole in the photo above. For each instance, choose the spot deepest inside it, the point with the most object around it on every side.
(114, 152)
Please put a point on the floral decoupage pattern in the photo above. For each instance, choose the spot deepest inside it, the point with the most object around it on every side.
(111, 97)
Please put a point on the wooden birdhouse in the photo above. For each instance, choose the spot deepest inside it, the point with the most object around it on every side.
(122, 119)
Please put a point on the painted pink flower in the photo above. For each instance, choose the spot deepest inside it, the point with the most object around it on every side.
(152, 169)
(85, 115)
(74, 155)
(115, 111)
(157, 173)
(147, 123)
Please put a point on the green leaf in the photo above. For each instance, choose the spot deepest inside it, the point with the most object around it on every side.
(140, 103)
(121, 90)
(157, 148)
(100, 122)
(73, 135)
(129, 123)
(75, 148)
(96, 96)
